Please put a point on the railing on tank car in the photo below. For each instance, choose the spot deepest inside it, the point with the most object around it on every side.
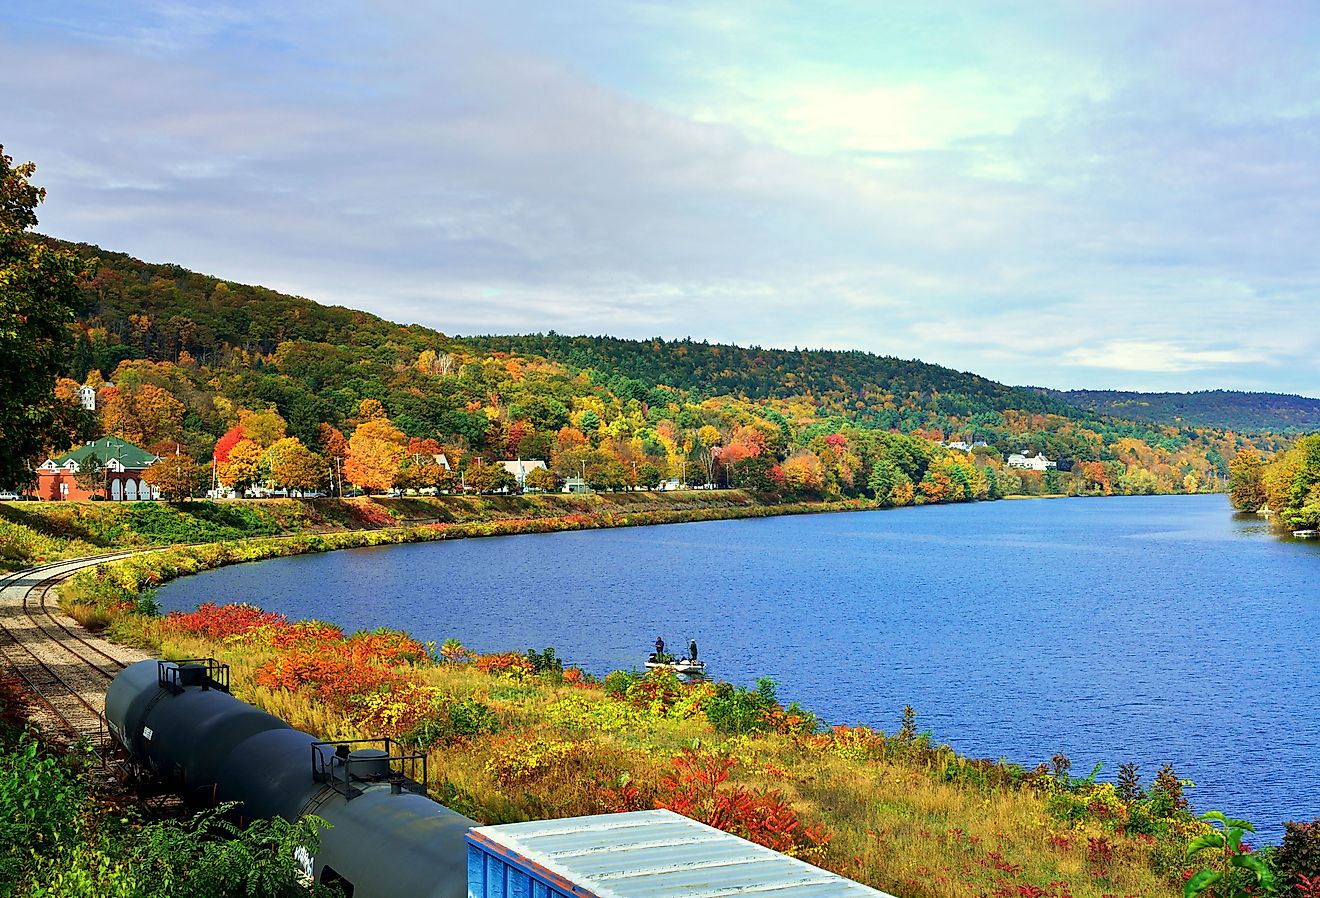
(207, 673)
(341, 763)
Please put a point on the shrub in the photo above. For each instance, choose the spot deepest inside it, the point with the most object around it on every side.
(524, 762)
(656, 691)
(454, 720)
(738, 711)
(41, 804)
(1296, 862)
(618, 682)
(697, 787)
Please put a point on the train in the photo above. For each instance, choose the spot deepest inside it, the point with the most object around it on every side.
(178, 722)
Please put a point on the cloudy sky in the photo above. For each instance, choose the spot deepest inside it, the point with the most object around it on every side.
(1100, 193)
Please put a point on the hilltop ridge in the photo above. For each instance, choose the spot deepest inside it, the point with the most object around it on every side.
(194, 356)
(1250, 412)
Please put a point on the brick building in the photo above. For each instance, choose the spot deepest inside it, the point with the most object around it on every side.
(120, 479)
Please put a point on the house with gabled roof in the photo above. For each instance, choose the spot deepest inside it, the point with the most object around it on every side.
(520, 468)
(122, 465)
(1037, 462)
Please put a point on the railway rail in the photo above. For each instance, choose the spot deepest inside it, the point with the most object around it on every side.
(65, 668)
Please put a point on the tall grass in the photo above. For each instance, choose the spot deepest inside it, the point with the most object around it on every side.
(901, 813)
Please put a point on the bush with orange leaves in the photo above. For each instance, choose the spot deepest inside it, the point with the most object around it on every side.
(306, 633)
(696, 787)
(340, 680)
(509, 664)
(388, 646)
(221, 622)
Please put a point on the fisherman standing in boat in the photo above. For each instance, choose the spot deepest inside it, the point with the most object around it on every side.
(659, 649)
(692, 650)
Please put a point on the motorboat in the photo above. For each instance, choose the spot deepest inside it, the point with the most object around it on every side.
(685, 666)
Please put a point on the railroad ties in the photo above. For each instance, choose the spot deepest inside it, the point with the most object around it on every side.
(65, 669)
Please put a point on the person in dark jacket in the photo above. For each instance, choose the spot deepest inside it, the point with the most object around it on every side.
(692, 650)
(659, 648)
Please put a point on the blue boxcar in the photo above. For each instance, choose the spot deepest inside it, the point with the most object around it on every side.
(642, 854)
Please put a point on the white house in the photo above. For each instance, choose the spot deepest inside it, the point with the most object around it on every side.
(87, 395)
(1036, 462)
(576, 485)
(520, 468)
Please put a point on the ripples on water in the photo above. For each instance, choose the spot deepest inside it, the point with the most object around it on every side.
(1152, 629)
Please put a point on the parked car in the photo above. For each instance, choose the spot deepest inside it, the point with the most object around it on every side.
(9, 496)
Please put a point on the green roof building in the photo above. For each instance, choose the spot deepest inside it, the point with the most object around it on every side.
(122, 465)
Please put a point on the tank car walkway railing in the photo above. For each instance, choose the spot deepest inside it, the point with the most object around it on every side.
(340, 765)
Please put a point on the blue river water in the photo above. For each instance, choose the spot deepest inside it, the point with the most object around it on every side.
(1147, 629)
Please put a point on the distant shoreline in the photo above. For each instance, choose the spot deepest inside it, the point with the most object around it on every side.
(93, 595)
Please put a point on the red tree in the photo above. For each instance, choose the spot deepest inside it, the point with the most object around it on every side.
(226, 443)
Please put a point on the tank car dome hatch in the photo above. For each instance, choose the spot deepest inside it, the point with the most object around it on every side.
(368, 764)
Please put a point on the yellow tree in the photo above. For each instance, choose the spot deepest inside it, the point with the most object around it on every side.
(142, 415)
(375, 453)
(175, 476)
(242, 467)
(540, 479)
(263, 428)
(295, 467)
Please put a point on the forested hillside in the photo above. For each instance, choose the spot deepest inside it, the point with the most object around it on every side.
(884, 390)
(279, 388)
(1229, 409)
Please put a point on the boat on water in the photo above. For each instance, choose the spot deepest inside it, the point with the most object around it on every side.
(684, 666)
(1306, 534)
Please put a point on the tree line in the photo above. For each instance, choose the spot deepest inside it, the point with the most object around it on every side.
(1286, 486)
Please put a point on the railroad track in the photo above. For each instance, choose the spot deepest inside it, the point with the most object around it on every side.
(65, 669)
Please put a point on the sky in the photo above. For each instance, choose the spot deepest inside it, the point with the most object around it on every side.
(1109, 194)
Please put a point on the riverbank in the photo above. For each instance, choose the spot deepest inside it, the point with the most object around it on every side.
(37, 532)
(519, 737)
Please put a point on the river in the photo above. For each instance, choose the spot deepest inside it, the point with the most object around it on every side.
(1148, 629)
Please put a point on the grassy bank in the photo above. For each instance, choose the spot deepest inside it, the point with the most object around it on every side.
(519, 736)
(36, 532)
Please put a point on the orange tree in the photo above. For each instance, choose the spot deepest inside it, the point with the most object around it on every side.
(375, 454)
(176, 476)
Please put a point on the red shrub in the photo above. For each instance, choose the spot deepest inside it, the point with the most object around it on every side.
(697, 788)
(222, 621)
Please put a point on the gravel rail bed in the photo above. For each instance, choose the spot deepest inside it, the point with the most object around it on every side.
(66, 668)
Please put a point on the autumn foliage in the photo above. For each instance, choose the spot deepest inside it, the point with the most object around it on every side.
(698, 787)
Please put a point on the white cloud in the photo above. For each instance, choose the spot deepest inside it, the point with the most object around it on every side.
(1156, 356)
(1047, 205)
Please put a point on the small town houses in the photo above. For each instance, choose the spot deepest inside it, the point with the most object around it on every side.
(1037, 462)
(119, 480)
